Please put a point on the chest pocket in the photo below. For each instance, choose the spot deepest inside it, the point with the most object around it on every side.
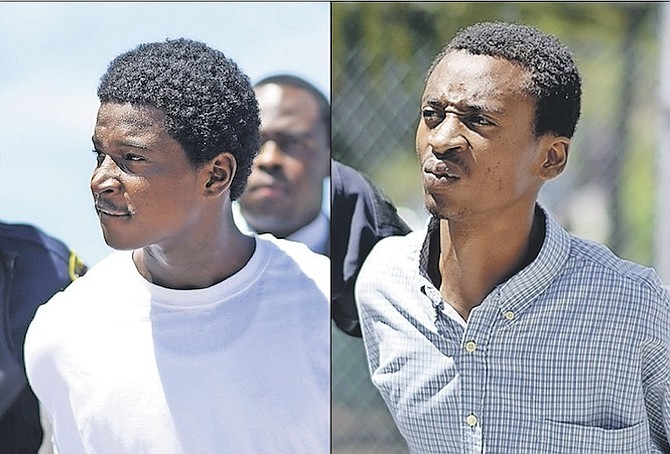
(564, 438)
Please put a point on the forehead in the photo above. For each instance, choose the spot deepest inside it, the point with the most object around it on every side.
(286, 104)
(129, 119)
(461, 77)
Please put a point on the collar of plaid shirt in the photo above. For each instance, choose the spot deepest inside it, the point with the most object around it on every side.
(521, 289)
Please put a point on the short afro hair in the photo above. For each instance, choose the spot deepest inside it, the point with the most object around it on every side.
(555, 81)
(208, 102)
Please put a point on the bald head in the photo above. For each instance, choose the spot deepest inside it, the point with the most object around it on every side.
(285, 186)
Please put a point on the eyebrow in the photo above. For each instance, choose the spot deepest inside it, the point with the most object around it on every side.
(466, 108)
(124, 143)
(289, 133)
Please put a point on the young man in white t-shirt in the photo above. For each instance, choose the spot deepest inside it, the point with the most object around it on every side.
(194, 337)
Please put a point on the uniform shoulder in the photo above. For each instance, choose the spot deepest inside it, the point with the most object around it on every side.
(24, 236)
(49, 255)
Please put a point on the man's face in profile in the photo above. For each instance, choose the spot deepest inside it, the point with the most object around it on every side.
(285, 187)
(146, 191)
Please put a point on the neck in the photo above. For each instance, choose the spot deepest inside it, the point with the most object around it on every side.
(280, 228)
(199, 261)
(475, 257)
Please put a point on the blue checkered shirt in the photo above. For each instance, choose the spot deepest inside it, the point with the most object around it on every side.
(570, 355)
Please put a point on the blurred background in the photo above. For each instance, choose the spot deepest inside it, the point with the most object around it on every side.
(612, 190)
(52, 56)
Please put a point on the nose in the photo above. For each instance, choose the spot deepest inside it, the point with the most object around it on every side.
(448, 136)
(270, 155)
(105, 177)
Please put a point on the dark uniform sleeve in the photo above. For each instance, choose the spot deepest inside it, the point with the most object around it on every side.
(33, 267)
(361, 216)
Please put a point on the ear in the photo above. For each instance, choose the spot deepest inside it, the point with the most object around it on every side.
(554, 156)
(219, 173)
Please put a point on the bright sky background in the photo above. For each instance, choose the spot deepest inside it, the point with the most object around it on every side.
(52, 56)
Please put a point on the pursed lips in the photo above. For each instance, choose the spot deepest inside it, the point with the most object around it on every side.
(441, 169)
(275, 185)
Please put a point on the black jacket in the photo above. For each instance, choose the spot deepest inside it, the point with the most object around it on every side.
(361, 216)
(33, 267)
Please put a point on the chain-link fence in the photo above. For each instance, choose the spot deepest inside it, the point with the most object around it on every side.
(607, 193)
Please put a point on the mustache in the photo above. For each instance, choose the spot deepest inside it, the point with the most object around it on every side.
(109, 207)
(453, 157)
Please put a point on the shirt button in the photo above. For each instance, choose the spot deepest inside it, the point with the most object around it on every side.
(470, 346)
(471, 420)
(509, 315)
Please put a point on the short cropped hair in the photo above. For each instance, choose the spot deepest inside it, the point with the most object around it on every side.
(297, 82)
(555, 80)
(208, 102)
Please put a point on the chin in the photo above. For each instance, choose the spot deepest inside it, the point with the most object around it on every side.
(121, 246)
(442, 209)
(434, 207)
(121, 243)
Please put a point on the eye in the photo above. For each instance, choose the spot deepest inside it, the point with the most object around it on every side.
(479, 120)
(99, 156)
(431, 117)
(288, 141)
(133, 157)
(293, 144)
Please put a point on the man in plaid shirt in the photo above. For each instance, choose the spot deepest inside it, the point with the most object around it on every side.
(494, 330)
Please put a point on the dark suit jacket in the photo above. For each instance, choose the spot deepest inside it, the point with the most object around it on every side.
(33, 267)
(361, 215)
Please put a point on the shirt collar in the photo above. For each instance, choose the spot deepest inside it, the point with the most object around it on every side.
(430, 252)
(519, 291)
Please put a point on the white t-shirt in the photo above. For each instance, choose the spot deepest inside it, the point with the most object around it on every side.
(125, 366)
